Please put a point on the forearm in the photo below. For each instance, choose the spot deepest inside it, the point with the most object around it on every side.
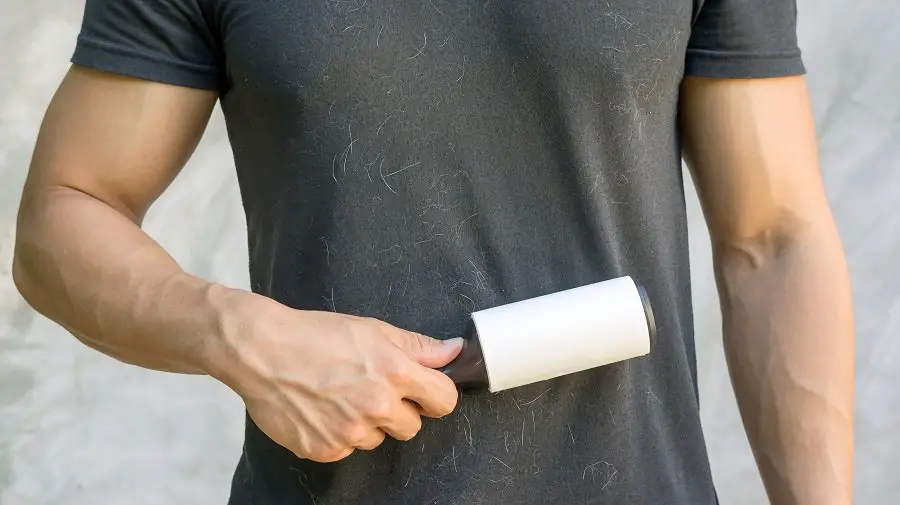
(789, 344)
(91, 269)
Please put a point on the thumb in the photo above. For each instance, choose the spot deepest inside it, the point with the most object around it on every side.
(428, 351)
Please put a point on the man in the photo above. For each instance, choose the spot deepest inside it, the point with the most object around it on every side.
(405, 163)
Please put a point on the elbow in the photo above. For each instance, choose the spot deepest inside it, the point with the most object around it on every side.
(23, 270)
(34, 262)
(30, 260)
(20, 272)
(36, 277)
(20, 276)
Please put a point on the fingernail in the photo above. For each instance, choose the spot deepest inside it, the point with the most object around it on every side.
(453, 342)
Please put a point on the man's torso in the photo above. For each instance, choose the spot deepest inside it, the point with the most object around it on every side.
(416, 161)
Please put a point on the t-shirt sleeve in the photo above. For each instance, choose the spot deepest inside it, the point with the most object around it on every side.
(744, 39)
(166, 41)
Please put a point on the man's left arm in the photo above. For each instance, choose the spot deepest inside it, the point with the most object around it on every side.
(782, 278)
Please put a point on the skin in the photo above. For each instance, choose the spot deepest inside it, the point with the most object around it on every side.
(782, 278)
(109, 146)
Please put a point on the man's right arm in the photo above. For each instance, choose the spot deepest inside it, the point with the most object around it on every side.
(108, 147)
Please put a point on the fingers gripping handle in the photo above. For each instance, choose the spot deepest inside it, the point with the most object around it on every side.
(468, 368)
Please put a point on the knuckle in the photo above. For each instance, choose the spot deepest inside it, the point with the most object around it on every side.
(353, 432)
(448, 407)
(395, 369)
(319, 453)
(445, 411)
(379, 408)
(312, 455)
(330, 456)
(372, 442)
(406, 436)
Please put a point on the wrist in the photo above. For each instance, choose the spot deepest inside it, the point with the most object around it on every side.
(234, 314)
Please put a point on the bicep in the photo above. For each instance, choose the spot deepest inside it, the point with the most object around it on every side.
(751, 147)
(119, 139)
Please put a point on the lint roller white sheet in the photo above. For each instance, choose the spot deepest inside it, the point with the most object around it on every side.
(557, 334)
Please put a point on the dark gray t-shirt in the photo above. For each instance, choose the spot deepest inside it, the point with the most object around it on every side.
(415, 161)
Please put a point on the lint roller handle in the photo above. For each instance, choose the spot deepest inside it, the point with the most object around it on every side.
(648, 313)
(468, 368)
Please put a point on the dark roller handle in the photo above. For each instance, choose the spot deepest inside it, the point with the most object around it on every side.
(468, 368)
(648, 313)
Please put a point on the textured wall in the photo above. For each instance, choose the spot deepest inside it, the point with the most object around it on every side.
(78, 428)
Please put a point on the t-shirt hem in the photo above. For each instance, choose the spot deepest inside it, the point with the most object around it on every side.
(705, 63)
(115, 59)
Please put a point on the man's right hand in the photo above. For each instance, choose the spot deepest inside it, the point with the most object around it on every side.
(323, 384)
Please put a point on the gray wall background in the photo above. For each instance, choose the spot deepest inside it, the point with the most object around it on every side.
(77, 428)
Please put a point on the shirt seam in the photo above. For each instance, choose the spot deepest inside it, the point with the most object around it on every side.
(733, 55)
(150, 57)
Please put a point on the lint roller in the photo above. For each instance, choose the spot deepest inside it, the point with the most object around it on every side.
(554, 335)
